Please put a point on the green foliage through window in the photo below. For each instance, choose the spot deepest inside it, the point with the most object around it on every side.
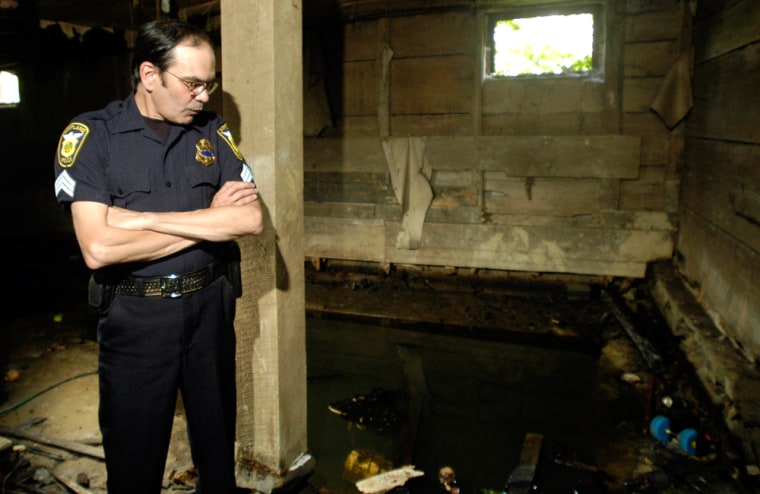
(9, 93)
(553, 44)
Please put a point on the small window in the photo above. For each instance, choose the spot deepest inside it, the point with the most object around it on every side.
(9, 94)
(543, 44)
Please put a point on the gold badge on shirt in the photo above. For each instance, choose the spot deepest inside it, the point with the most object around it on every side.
(204, 153)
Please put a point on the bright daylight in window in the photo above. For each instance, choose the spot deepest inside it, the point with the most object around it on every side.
(9, 94)
(554, 44)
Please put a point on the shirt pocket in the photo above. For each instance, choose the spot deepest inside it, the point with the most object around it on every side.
(203, 175)
(129, 190)
(203, 182)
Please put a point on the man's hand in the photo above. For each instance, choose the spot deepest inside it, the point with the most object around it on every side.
(236, 193)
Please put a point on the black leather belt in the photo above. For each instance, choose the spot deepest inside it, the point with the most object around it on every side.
(172, 286)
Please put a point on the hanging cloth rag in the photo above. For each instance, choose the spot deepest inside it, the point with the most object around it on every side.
(410, 176)
(674, 99)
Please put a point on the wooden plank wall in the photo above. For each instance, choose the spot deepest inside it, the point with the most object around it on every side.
(541, 175)
(719, 241)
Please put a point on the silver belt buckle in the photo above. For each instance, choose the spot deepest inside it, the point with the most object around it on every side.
(170, 286)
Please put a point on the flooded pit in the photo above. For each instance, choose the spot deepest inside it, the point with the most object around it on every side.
(465, 403)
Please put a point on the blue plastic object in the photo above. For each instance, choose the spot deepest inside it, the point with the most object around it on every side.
(659, 427)
(687, 441)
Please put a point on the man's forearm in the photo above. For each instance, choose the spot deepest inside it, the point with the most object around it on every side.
(122, 246)
(216, 224)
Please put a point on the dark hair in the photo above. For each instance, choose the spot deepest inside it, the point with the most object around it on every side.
(156, 40)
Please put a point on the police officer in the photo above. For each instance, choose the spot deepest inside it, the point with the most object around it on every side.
(158, 193)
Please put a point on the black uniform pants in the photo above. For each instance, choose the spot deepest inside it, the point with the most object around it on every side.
(151, 348)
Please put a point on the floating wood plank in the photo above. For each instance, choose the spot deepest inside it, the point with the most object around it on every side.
(521, 479)
(386, 481)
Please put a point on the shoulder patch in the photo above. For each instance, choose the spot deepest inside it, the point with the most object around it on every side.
(225, 134)
(70, 143)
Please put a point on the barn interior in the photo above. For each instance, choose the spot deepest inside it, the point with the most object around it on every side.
(508, 226)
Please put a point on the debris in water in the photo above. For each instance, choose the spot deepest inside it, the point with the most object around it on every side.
(378, 409)
(386, 481)
(448, 479)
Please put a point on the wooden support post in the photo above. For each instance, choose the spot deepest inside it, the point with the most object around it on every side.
(262, 82)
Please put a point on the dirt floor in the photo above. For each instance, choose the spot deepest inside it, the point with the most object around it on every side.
(50, 442)
(51, 411)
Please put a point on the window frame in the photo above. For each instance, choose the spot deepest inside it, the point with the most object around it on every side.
(15, 104)
(596, 9)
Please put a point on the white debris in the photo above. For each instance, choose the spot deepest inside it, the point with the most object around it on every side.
(630, 378)
(383, 482)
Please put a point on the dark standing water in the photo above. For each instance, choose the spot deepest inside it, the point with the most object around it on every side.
(468, 404)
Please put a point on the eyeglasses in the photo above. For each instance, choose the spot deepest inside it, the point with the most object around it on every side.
(197, 87)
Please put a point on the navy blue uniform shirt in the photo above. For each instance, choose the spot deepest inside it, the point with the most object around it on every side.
(113, 156)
